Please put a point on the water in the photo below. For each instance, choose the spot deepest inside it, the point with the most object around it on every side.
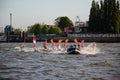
(103, 63)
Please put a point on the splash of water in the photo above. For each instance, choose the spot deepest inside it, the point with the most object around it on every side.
(90, 49)
(41, 49)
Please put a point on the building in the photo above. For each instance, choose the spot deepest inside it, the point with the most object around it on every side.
(81, 27)
(69, 30)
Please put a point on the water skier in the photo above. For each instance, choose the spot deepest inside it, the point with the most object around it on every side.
(65, 44)
(79, 45)
(94, 45)
(52, 42)
(22, 46)
(34, 44)
(45, 44)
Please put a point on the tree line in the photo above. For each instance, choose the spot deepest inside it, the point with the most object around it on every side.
(43, 29)
(40, 29)
(105, 17)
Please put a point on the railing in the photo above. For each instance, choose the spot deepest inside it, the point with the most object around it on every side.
(93, 35)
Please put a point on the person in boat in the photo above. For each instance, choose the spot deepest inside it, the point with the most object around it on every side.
(70, 48)
(73, 50)
(75, 46)
(45, 44)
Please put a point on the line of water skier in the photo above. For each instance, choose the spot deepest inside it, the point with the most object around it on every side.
(77, 44)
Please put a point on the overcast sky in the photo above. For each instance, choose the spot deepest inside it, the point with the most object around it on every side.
(29, 12)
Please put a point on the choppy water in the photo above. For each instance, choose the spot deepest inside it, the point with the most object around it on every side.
(102, 64)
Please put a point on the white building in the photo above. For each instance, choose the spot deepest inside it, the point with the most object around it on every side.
(81, 27)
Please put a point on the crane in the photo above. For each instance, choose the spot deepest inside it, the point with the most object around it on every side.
(77, 23)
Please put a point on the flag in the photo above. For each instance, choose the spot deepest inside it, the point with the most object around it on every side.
(82, 43)
(34, 40)
(60, 40)
(66, 40)
(75, 40)
(51, 41)
(45, 43)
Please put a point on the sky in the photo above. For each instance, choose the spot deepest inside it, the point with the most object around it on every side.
(28, 12)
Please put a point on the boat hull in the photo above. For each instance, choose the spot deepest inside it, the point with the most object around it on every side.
(75, 51)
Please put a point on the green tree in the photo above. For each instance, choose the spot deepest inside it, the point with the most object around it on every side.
(17, 31)
(57, 30)
(36, 29)
(105, 17)
(94, 17)
(45, 29)
(117, 29)
(101, 19)
(39, 29)
(111, 16)
(1, 33)
(51, 30)
(63, 22)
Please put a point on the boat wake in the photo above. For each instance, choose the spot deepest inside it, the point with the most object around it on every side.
(90, 49)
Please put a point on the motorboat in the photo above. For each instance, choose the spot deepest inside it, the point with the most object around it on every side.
(73, 50)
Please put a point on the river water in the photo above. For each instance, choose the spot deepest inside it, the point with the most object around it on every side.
(101, 64)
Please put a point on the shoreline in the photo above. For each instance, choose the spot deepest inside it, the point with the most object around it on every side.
(102, 38)
(71, 39)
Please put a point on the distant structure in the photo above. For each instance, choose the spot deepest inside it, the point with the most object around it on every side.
(8, 28)
(77, 23)
(80, 27)
(11, 19)
(69, 30)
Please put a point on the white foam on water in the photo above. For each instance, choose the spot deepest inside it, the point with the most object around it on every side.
(25, 49)
(90, 49)
(28, 49)
(17, 48)
(41, 49)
